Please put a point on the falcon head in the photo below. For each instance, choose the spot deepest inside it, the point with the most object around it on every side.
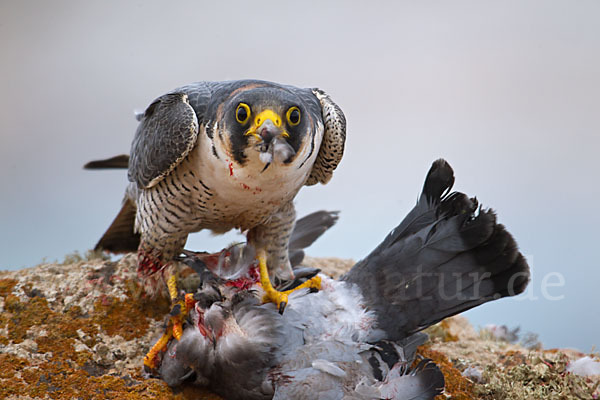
(250, 123)
(268, 123)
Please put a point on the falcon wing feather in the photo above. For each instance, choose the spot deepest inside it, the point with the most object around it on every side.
(167, 132)
(334, 138)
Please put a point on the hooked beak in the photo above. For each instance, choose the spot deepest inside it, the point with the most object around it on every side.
(267, 131)
(265, 127)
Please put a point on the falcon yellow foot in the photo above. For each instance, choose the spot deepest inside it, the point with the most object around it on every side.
(272, 295)
(179, 311)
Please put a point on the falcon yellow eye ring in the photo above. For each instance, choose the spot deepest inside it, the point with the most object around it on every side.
(242, 113)
(293, 116)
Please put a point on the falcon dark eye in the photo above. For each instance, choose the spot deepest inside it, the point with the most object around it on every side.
(293, 116)
(242, 113)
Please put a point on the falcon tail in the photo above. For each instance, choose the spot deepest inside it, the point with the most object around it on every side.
(120, 236)
(116, 162)
(448, 255)
(308, 229)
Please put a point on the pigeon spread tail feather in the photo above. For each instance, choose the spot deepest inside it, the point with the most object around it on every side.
(448, 255)
(307, 230)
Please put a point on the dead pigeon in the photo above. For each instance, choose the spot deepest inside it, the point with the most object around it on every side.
(356, 337)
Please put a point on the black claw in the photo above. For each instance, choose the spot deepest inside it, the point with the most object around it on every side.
(282, 307)
(313, 290)
(151, 372)
(176, 310)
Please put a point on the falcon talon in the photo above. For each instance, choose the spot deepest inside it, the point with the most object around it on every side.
(172, 286)
(174, 329)
(313, 283)
(272, 295)
(282, 306)
(151, 358)
(175, 310)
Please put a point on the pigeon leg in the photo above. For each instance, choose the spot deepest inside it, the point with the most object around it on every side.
(272, 295)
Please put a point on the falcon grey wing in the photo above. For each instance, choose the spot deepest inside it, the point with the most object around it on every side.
(167, 132)
(120, 236)
(334, 139)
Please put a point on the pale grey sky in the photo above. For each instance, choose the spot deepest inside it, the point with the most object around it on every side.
(507, 91)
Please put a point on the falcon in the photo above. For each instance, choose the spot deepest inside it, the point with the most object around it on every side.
(222, 156)
(357, 336)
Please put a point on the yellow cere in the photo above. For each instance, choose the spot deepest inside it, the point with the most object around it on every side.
(265, 115)
(260, 119)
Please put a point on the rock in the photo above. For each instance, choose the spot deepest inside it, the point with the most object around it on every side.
(29, 345)
(92, 320)
(473, 373)
(79, 347)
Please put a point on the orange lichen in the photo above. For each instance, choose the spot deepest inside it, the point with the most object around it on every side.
(63, 373)
(24, 315)
(512, 358)
(127, 317)
(457, 386)
(448, 337)
(35, 312)
(441, 331)
(194, 392)
(6, 286)
(62, 381)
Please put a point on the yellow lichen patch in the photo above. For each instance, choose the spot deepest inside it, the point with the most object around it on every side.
(59, 380)
(128, 317)
(539, 376)
(441, 331)
(24, 315)
(10, 365)
(53, 368)
(449, 337)
(6, 286)
(512, 358)
(194, 392)
(61, 328)
(457, 386)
